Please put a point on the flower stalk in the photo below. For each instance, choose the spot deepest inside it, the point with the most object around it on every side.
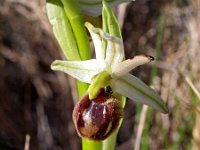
(108, 71)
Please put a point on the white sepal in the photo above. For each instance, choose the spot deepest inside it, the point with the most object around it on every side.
(138, 91)
(119, 53)
(114, 50)
(126, 66)
(81, 70)
(99, 50)
(110, 53)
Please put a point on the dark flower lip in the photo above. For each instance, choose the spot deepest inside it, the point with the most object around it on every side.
(96, 119)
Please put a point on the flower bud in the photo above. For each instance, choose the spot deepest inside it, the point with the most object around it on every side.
(96, 119)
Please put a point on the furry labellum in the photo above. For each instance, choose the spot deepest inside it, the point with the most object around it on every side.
(96, 119)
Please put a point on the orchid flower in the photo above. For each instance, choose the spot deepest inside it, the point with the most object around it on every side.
(94, 7)
(110, 69)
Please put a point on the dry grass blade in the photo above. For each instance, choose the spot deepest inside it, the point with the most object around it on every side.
(27, 142)
(140, 127)
(189, 82)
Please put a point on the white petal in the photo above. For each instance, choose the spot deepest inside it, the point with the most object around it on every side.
(94, 7)
(135, 89)
(81, 70)
(126, 66)
(99, 50)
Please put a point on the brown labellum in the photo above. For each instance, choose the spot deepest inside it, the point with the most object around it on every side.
(96, 119)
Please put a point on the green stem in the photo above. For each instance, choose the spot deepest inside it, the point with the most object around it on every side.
(76, 20)
(81, 87)
(91, 145)
(109, 144)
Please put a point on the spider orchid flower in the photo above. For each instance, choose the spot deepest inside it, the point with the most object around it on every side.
(110, 69)
(94, 7)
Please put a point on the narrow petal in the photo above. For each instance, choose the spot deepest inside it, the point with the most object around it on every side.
(81, 70)
(97, 40)
(135, 89)
(126, 66)
(94, 7)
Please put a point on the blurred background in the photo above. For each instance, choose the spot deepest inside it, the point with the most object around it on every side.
(36, 103)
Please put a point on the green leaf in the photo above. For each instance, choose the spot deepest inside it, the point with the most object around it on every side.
(81, 70)
(112, 23)
(94, 7)
(138, 91)
(62, 29)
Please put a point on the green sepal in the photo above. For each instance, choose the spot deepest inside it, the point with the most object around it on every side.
(135, 89)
